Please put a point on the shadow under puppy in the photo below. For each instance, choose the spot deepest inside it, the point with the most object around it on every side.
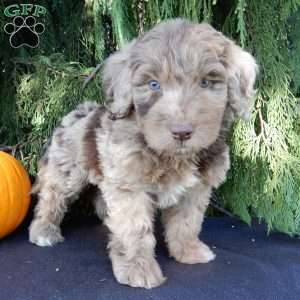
(173, 93)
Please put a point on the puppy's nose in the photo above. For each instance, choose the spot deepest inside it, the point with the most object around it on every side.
(182, 132)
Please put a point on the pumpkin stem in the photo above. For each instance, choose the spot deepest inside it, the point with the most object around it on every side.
(5, 148)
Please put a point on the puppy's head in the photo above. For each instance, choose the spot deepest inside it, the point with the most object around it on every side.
(179, 77)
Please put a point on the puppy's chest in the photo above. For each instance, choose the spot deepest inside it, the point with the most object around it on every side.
(170, 185)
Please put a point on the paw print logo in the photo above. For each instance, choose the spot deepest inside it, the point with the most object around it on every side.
(24, 32)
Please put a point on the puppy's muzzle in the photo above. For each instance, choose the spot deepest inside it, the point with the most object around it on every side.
(182, 132)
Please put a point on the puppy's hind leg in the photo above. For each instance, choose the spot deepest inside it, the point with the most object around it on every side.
(54, 198)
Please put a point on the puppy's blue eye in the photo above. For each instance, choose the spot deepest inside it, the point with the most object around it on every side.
(154, 85)
(205, 83)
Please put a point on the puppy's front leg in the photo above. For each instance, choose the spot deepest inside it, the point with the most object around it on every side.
(131, 246)
(182, 226)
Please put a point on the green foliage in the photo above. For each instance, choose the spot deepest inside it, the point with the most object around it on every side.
(124, 22)
(38, 86)
(266, 150)
(241, 26)
(294, 46)
(48, 92)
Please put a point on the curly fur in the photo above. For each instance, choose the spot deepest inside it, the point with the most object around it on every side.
(129, 152)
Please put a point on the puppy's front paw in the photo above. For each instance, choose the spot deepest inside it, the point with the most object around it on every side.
(139, 273)
(44, 234)
(193, 253)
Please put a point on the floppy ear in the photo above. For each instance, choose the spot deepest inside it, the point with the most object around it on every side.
(117, 83)
(240, 65)
(242, 73)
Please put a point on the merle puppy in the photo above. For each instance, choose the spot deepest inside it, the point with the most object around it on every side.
(173, 94)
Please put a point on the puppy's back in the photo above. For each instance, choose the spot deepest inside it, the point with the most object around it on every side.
(63, 153)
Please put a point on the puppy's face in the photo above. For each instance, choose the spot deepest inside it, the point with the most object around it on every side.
(179, 78)
(179, 95)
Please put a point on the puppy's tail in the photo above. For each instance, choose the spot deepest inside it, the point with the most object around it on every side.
(81, 111)
(35, 188)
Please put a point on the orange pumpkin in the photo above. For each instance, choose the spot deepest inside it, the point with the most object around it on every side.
(14, 193)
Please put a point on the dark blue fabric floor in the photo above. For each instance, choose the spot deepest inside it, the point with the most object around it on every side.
(249, 265)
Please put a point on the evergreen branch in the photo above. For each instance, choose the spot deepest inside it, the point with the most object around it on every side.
(261, 122)
(92, 75)
(241, 26)
(50, 67)
(216, 204)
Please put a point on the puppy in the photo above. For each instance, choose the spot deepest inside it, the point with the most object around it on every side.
(173, 94)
